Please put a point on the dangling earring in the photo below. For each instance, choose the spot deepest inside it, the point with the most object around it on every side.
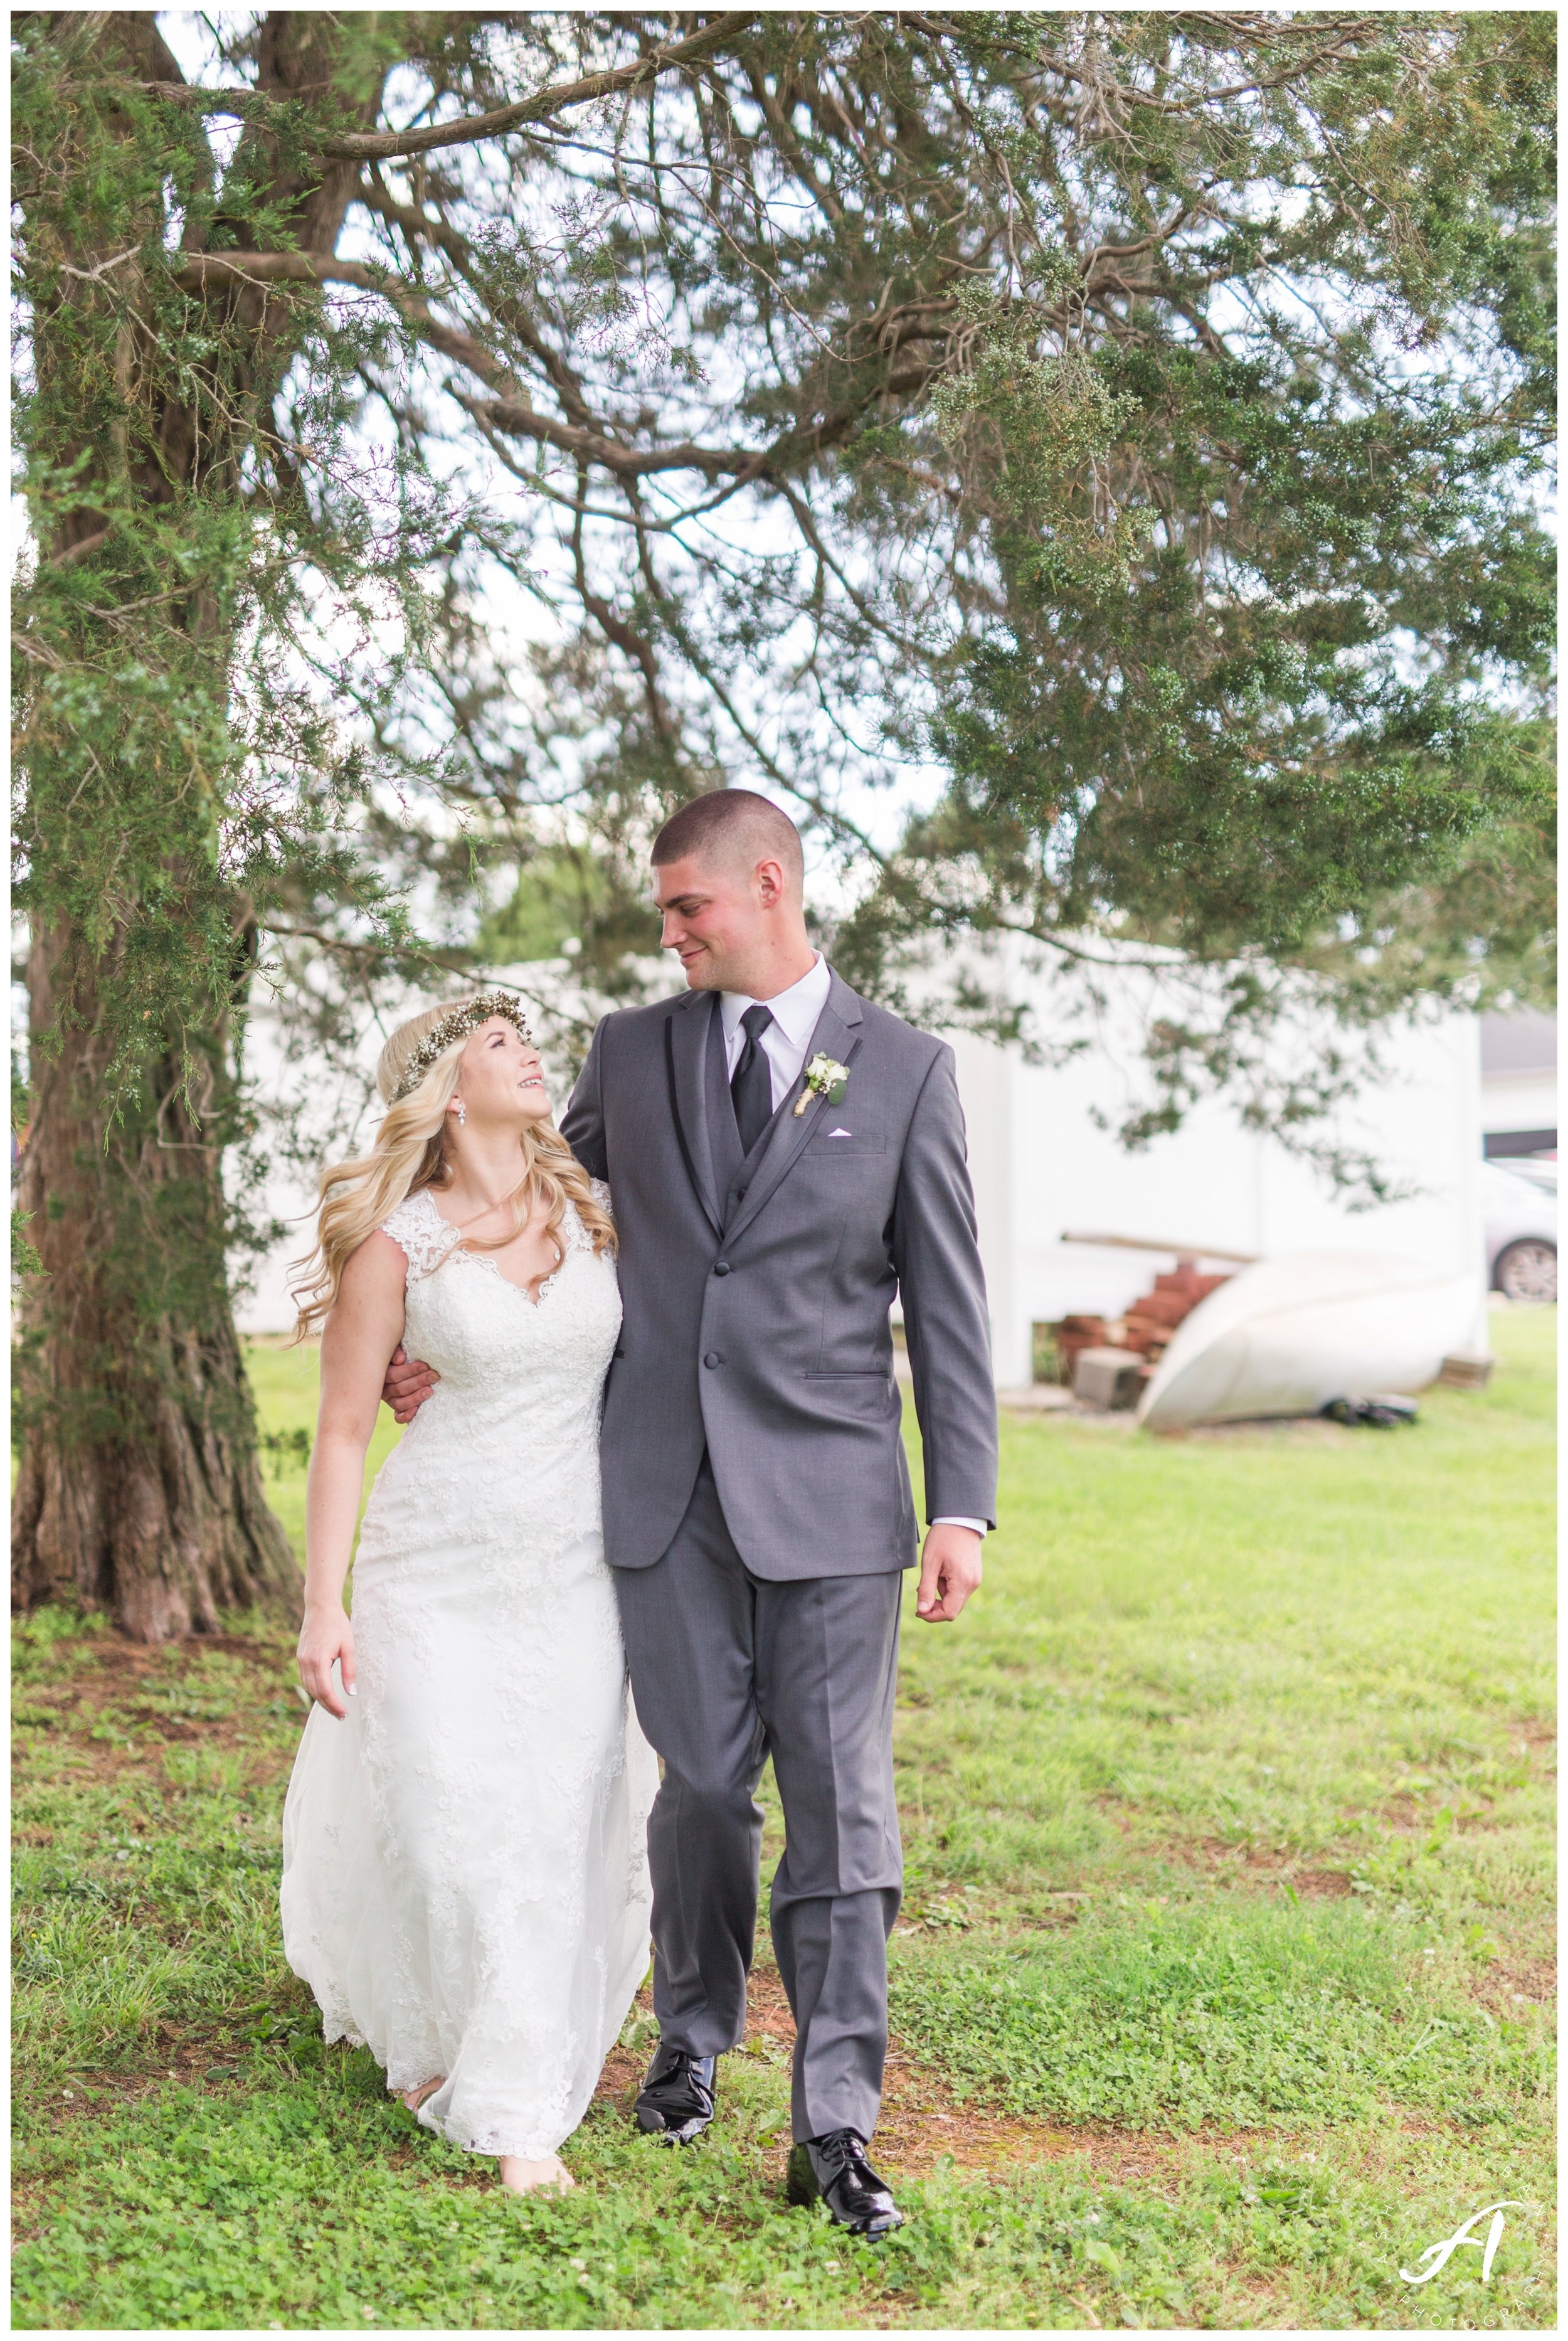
(461, 1111)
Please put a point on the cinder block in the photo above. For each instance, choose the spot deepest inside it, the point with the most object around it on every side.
(1110, 1378)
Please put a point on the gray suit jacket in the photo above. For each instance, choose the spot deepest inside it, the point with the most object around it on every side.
(756, 1292)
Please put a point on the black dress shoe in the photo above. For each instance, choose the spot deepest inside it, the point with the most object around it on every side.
(675, 2103)
(835, 2168)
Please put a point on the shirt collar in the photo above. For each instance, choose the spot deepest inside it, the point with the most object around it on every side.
(795, 1011)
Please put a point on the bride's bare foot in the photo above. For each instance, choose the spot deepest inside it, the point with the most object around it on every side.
(523, 2177)
(414, 2099)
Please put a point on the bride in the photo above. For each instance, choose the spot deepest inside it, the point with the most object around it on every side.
(465, 1883)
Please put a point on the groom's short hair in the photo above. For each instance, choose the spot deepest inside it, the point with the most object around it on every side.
(734, 825)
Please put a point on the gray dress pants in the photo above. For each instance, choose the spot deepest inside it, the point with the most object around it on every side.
(727, 1669)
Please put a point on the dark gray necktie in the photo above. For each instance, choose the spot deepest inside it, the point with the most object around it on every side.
(752, 1083)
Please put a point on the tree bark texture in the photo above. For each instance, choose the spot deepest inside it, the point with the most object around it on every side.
(139, 1489)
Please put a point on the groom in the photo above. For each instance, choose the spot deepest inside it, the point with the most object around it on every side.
(784, 1159)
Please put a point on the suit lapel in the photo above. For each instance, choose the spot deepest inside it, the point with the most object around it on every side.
(686, 1054)
(837, 1035)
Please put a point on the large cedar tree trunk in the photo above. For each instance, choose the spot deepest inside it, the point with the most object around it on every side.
(139, 1489)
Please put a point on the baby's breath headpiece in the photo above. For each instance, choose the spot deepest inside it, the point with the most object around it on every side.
(456, 1026)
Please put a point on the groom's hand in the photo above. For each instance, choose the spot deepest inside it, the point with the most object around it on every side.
(951, 1570)
(408, 1384)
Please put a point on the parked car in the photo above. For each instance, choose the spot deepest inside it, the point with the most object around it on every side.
(1521, 1230)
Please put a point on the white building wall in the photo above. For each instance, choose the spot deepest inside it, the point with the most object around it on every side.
(1520, 1101)
(1043, 1168)
(1519, 1081)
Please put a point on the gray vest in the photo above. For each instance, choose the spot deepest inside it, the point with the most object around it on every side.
(731, 1169)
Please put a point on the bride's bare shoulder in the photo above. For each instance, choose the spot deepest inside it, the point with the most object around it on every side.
(379, 1260)
(368, 1308)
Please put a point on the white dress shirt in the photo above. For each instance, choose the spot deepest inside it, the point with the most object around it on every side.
(788, 1038)
(785, 1041)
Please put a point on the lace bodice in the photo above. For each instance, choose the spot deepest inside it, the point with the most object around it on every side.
(511, 1434)
(425, 1239)
(421, 1234)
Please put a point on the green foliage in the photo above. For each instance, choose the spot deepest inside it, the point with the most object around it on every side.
(1287, 717)
(180, 775)
(163, 812)
(567, 903)
(1141, 416)
(24, 1260)
(1053, 420)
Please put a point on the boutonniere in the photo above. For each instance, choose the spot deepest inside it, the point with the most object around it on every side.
(824, 1078)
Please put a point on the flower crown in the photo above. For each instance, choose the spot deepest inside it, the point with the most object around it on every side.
(456, 1026)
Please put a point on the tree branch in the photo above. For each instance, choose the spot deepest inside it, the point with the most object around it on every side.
(636, 463)
(381, 145)
(200, 272)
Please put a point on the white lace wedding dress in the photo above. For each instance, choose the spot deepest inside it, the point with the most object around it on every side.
(465, 1872)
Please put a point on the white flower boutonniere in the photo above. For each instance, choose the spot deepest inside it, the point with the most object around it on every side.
(824, 1078)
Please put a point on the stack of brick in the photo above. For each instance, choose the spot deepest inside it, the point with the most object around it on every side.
(1146, 1329)
(1151, 1321)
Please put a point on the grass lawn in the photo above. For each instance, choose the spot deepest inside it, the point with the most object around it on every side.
(1220, 1992)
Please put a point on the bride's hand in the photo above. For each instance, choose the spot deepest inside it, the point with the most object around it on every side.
(326, 1635)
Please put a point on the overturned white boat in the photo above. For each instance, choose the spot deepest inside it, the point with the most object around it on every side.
(1287, 1335)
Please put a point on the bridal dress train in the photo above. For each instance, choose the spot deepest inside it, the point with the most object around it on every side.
(465, 1873)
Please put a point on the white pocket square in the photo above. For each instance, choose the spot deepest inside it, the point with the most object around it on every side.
(841, 1134)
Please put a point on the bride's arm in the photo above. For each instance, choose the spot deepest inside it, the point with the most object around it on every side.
(359, 1335)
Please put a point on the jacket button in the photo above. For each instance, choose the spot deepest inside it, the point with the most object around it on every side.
(721, 1268)
(713, 1359)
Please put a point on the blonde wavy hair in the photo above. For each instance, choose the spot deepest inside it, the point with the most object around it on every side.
(409, 1152)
